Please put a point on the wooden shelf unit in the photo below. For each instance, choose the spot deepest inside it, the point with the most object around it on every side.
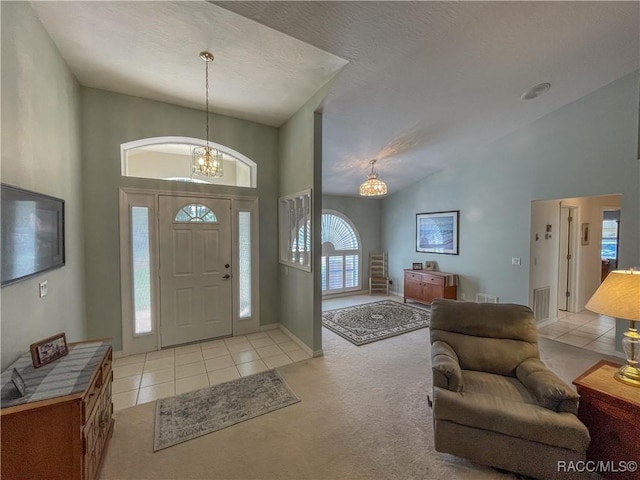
(424, 286)
(61, 437)
(610, 409)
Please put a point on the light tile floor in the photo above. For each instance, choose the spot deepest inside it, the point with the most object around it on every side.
(584, 329)
(148, 376)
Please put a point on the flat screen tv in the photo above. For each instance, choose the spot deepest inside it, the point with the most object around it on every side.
(32, 233)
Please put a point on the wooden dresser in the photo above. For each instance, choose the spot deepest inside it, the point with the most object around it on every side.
(61, 427)
(424, 286)
(611, 411)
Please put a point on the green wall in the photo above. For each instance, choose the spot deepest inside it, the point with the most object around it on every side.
(41, 152)
(301, 168)
(111, 119)
(586, 148)
(365, 214)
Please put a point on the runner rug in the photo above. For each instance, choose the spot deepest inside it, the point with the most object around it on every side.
(371, 322)
(193, 414)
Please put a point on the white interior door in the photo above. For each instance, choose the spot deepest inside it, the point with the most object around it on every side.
(567, 263)
(195, 269)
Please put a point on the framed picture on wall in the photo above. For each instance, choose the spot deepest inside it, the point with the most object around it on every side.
(585, 234)
(437, 232)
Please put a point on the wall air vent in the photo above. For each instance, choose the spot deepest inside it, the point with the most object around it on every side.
(541, 298)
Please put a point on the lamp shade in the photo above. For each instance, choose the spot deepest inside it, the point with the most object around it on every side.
(618, 296)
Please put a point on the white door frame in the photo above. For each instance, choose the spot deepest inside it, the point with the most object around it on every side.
(129, 197)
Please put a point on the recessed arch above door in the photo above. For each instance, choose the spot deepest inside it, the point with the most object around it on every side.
(169, 158)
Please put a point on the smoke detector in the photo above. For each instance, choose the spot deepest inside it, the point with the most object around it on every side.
(536, 91)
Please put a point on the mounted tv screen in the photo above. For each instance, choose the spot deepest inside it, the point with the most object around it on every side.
(32, 233)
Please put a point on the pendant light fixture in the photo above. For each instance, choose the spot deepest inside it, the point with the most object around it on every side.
(207, 161)
(373, 187)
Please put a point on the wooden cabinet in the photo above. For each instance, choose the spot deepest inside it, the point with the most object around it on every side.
(424, 286)
(53, 435)
(610, 410)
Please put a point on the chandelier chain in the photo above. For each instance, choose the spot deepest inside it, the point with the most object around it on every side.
(206, 76)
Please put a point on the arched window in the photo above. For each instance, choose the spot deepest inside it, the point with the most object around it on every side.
(341, 254)
(170, 158)
(195, 212)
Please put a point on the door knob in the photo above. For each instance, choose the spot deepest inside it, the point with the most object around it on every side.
(226, 276)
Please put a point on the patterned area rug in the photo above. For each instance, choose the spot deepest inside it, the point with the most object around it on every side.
(193, 414)
(371, 322)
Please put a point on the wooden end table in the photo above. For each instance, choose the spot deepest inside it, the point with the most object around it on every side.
(611, 411)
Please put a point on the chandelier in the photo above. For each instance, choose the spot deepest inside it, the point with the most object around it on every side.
(207, 161)
(373, 187)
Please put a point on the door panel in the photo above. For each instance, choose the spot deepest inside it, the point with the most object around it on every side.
(182, 252)
(211, 254)
(195, 296)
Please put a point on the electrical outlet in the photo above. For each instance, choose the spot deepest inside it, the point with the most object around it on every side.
(516, 261)
(390, 282)
(43, 289)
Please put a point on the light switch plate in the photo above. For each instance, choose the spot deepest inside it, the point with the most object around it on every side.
(43, 289)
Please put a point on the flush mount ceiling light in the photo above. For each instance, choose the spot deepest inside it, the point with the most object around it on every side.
(207, 161)
(536, 91)
(373, 187)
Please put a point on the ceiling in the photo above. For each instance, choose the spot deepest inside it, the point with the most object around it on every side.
(425, 84)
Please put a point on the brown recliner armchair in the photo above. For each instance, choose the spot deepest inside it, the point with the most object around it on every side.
(494, 401)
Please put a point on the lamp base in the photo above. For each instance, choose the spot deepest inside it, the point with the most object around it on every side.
(628, 375)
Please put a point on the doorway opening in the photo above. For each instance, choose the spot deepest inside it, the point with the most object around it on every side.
(609, 241)
(567, 249)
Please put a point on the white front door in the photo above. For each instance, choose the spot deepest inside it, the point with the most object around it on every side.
(195, 269)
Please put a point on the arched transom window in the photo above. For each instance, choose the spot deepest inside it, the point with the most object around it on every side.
(341, 254)
(195, 212)
(170, 158)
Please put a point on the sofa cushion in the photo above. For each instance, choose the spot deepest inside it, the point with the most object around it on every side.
(508, 414)
(508, 388)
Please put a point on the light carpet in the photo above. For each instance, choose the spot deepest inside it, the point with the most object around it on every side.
(193, 414)
(364, 416)
(361, 324)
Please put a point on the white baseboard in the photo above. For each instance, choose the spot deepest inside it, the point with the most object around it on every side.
(296, 340)
(546, 322)
(301, 344)
(271, 326)
(345, 294)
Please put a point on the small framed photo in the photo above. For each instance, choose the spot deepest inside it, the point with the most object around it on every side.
(585, 234)
(18, 382)
(50, 349)
(417, 266)
(431, 266)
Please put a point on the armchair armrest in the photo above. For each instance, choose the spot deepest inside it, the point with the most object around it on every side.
(446, 367)
(546, 387)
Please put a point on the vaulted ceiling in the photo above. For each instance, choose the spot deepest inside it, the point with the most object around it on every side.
(419, 84)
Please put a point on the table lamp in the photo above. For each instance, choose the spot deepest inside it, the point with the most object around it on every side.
(619, 296)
